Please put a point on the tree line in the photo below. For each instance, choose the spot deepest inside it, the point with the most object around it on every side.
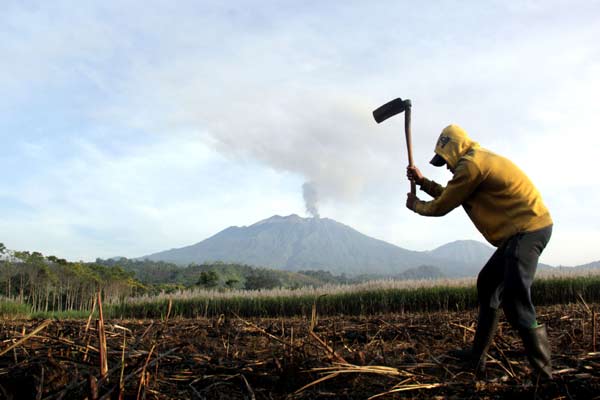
(49, 283)
(160, 276)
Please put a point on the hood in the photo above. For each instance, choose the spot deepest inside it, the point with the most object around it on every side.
(452, 144)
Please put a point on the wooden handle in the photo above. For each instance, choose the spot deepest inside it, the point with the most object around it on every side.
(413, 188)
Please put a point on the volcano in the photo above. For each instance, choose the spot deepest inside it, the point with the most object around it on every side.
(293, 243)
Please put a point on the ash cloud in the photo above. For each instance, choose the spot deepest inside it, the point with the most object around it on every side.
(311, 199)
(331, 142)
(323, 132)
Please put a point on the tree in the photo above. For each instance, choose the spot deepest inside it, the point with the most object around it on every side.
(231, 283)
(262, 279)
(208, 279)
(7, 271)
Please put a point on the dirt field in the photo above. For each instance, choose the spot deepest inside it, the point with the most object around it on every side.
(232, 358)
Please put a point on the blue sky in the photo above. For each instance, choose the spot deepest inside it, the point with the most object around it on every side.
(132, 127)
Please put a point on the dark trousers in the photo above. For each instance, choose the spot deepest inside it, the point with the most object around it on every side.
(506, 278)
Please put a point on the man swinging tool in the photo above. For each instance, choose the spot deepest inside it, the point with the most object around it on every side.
(508, 210)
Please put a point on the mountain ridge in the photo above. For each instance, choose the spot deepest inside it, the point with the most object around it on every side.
(294, 243)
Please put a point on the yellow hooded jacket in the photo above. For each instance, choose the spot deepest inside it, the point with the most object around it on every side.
(498, 197)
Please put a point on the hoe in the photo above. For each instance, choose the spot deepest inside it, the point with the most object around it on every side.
(390, 109)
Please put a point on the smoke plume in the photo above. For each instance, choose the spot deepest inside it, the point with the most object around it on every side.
(309, 191)
(324, 133)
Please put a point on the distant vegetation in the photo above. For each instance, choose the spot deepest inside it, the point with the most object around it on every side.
(32, 283)
(54, 284)
(38, 283)
(160, 276)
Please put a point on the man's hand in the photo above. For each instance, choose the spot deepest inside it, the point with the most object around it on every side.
(413, 174)
(411, 199)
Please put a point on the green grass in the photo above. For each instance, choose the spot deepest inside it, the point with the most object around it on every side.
(74, 314)
(14, 309)
(10, 308)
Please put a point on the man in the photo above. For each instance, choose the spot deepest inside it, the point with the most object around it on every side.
(508, 210)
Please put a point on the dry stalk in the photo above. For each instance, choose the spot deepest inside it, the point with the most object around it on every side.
(169, 309)
(291, 353)
(441, 365)
(345, 368)
(40, 388)
(107, 395)
(93, 387)
(147, 330)
(87, 326)
(466, 328)
(405, 388)
(121, 382)
(41, 327)
(252, 396)
(122, 328)
(102, 340)
(508, 372)
(313, 315)
(313, 324)
(594, 330)
(587, 308)
(511, 373)
(367, 369)
(143, 375)
(87, 347)
(93, 381)
(328, 348)
(261, 330)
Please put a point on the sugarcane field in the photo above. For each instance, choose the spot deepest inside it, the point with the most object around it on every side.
(390, 355)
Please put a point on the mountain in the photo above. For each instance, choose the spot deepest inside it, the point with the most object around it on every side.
(472, 254)
(467, 251)
(595, 264)
(293, 243)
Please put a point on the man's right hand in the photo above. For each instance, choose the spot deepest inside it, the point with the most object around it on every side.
(413, 174)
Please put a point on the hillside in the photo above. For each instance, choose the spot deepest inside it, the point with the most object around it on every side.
(293, 243)
(464, 251)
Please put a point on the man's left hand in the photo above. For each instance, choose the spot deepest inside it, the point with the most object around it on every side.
(411, 200)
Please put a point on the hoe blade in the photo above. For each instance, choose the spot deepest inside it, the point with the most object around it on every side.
(389, 109)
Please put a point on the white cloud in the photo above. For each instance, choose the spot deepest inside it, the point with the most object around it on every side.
(275, 96)
(157, 196)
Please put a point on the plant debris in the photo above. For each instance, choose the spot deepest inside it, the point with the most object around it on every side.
(384, 356)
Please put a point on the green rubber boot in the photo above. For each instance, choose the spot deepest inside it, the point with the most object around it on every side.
(476, 356)
(537, 346)
(486, 330)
